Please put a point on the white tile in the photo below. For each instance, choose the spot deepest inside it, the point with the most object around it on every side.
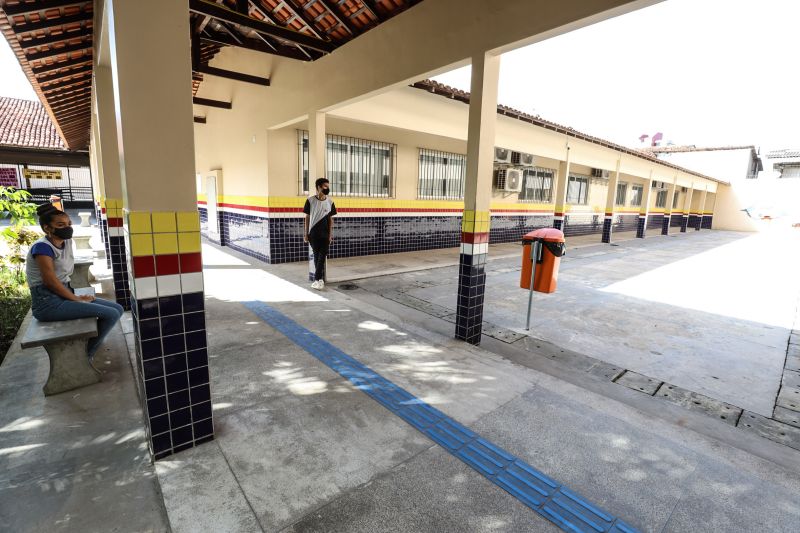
(466, 248)
(192, 282)
(169, 285)
(482, 248)
(144, 288)
(115, 232)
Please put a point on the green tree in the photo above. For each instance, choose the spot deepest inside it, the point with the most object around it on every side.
(15, 207)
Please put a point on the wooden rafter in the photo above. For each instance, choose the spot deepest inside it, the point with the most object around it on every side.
(54, 38)
(29, 8)
(52, 52)
(222, 13)
(343, 20)
(46, 24)
(57, 65)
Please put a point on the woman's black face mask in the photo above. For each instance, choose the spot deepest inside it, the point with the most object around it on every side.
(63, 233)
(326, 191)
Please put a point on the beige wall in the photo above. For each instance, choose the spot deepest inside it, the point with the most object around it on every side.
(407, 117)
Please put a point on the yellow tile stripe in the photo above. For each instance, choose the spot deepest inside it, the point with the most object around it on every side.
(163, 232)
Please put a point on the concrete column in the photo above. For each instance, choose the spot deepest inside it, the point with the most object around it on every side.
(701, 209)
(316, 148)
(151, 67)
(560, 201)
(477, 197)
(96, 165)
(108, 159)
(611, 198)
(671, 190)
(687, 207)
(644, 209)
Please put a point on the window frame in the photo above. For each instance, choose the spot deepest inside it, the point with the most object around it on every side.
(443, 165)
(378, 156)
(636, 187)
(578, 178)
(623, 184)
(540, 194)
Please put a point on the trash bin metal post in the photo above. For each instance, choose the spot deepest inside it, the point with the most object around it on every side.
(535, 252)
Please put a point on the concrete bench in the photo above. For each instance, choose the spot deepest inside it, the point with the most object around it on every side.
(82, 242)
(66, 344)
(85, 216)
(80, 273)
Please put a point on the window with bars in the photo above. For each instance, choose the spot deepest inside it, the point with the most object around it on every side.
(622, 193)
(578, 190)
(636, 195)
(354, 167)
(661, 198)
(442, 175)
(675, 200)
(537, 185)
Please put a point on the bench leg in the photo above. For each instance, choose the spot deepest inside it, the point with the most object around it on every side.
(69, 367)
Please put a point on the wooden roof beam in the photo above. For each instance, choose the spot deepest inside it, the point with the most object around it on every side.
(29, 8)
(344, 21)
(61, 64)
(252, 44)
(219, 12)
(372, 7)
(65, 86)
(212, 103)
(35, 56)
(300, 13)
(46, 24)
(232, 75)
(54, 38)
(59, 75)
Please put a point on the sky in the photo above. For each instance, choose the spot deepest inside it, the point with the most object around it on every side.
(702, 72)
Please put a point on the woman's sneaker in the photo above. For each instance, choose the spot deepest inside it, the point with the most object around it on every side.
(315, 285)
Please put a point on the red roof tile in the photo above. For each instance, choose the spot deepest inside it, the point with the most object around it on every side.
(26, 123)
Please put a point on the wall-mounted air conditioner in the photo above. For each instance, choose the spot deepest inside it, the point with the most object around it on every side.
(522, 159)
(502, 155)
(600, 173)
(683, 189)
(508, 179)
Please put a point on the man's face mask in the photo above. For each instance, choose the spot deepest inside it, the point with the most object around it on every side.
(326, 191)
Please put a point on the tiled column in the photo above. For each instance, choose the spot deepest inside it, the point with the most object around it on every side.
(108, 159)
(611, 197)
(644, 209)
(162, 226)
(477, 196)
(672, 191)
(701, 210)
(687, 208)
(559, 213)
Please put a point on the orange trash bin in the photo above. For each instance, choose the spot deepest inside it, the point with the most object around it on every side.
(552, 247)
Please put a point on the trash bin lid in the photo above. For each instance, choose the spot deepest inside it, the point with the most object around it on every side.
(544, 234)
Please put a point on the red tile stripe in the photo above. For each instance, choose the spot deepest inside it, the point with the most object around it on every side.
(474, 238)
(115, 222)
(166, 264)
(262, 209)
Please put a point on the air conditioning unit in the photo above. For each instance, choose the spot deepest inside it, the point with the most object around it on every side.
(508, 179)
(600, 173)
(502, 155)
(683, 189)
(522, 159)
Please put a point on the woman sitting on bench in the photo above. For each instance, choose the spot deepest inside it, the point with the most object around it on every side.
(49, 266)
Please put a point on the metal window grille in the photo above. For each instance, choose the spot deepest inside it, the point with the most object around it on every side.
(354, 167)
(442, 175)
(675, 200)
(72, 184)
(622, 193)
(636, 195)
(537, 185)
(578, 190)
(661, 198)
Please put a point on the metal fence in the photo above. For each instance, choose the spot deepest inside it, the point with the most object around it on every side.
(72, 184)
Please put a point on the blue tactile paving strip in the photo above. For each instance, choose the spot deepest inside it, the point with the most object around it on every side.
(541, 493)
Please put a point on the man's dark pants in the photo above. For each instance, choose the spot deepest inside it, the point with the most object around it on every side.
(320, 246)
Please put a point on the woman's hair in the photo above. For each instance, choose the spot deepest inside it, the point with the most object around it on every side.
(47, 212)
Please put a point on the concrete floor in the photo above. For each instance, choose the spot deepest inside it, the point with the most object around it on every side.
(708, 311)
(300, 449)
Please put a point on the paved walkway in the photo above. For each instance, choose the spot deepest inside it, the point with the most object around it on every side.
(710, 312)
(300, 448)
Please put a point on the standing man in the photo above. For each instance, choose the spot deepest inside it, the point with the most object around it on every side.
(318, 228)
